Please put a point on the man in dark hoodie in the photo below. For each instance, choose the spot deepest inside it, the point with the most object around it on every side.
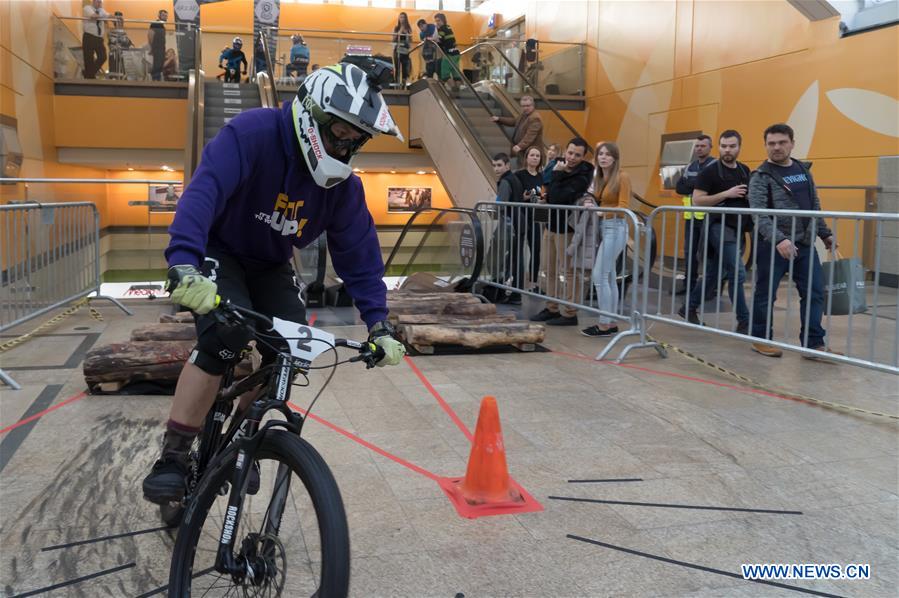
(570, 179)
(783, 183)
(512, 218)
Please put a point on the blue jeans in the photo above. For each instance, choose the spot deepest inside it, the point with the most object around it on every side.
(812, 305)
(614, 240)
(729, 252)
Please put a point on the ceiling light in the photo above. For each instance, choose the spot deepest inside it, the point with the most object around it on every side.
(433, 172)
(356, 170)
(129, 168)
(420, 172)
(361, 172)
(392, 172)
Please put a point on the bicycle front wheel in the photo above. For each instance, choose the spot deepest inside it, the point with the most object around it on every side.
(295, 525)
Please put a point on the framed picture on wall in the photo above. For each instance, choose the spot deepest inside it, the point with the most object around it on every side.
(408, 199)
(164, 198)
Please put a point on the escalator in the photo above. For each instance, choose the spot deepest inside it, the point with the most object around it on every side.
(224, 101)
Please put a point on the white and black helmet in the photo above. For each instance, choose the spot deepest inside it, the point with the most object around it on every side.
(342, 91)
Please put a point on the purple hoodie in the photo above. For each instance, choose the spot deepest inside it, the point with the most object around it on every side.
(253, 197)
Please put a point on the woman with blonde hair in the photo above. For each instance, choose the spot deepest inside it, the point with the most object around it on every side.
(612, 189)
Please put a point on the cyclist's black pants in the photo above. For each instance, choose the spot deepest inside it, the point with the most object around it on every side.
(270, 290)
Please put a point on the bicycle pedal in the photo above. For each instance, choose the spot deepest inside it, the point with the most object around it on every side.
(223, 491)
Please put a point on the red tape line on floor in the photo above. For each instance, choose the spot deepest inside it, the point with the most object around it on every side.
(367, 444)
(312, 319)
(459, 423)
(40, 414)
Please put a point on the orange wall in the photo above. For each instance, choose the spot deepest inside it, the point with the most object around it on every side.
(659, 66)
(92, 121)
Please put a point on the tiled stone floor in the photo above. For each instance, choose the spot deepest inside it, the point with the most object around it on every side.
(692, 436)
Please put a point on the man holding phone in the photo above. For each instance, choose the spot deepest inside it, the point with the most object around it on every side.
(723, 184)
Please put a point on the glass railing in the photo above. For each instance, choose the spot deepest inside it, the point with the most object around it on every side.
(123, 49)
(554, 68)
(447, 243)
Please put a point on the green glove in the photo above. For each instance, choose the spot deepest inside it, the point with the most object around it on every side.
(191, 289)
(381, 334)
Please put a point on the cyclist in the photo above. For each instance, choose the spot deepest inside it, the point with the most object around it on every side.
(299, 57)
(232, 58)
(272, 180)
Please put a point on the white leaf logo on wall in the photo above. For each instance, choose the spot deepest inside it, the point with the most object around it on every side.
(267, 12)
(872, 110)
(803, 120)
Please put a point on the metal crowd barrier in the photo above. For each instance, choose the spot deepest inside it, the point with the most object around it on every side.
(51, 257)
(864, 336)
(549, 252)
(655, 281)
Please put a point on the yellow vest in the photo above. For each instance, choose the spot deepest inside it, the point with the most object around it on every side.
(688, 202)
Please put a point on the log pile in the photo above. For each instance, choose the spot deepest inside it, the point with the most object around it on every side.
(426, 320)
(156, 353)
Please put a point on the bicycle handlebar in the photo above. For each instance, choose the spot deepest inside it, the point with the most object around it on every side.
(230, 313)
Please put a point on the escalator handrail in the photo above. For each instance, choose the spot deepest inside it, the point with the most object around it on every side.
(534, 88)
(442, 56)
(476, 227)
(270, 69)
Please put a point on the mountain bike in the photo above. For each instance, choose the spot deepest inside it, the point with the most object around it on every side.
(290, 537)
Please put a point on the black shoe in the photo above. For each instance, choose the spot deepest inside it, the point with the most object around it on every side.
(742, 328)
(545, 315)
(167, 481)
(595, 330)
(253, 479)
(691, 317)
(562, 321)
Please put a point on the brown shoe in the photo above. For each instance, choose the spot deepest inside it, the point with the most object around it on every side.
(767, 350)
(821, 359)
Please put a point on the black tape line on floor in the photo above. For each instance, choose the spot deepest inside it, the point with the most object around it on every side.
(701, 567)
(104, 538)
(76, 580)
(674, 506)
(605, 480)
(12, 441)
(162, 589)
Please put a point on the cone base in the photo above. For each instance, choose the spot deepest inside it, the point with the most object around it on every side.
(524, 503)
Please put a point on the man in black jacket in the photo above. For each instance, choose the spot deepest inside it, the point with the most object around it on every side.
(571, 177)
(702, 149)
(509, 243)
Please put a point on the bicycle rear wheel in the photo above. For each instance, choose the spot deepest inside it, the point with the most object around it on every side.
(306, 552)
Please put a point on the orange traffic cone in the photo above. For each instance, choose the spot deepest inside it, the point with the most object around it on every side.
(487, 488)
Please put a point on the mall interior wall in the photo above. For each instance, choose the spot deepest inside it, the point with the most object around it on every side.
(657, 67)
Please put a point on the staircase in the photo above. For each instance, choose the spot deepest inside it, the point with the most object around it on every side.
(224, 101)
(488, 132)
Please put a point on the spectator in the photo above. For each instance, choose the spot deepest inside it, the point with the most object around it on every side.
(782, 183)
(428, 31)
(531, 177)
(259, 60)
(724, 184)
(93, 32)
(315, 67)
(528, 129)
(552, 155)
(449, 64)
(402, 45)
(156, 39)
(693, 220)
(299, 57)
(170, 66)
(118, 43)
(511, 220)
(570, 179)
(612, 188)
(233, 58)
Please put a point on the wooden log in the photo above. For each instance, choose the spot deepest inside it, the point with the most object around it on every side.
(124, 363)
(430, 299)
(149, 360)
(474, 336)
(470, 309)
(164, 332)
(182, 317)
(455, 319)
